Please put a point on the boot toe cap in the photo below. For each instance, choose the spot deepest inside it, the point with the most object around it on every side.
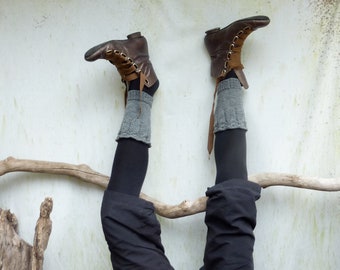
(94, 53)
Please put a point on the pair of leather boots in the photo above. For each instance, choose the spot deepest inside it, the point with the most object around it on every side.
(131, 56)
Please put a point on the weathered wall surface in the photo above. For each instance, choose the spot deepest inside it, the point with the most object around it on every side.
(55, 106)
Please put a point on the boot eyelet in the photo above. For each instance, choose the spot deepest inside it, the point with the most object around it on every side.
(240, 33)
(123, 54)
(235, 39)
(231, 47)
(116, 52)
(108, 52)
(247, 28)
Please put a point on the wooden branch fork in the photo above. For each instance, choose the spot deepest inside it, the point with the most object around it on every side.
(186, 208)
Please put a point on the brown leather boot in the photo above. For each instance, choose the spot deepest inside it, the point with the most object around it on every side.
(224, 46)
(130, 56)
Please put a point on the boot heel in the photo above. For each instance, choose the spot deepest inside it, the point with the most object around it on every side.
(214, 30)
(134, 35)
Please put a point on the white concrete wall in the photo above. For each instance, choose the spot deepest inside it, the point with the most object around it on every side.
(55, 106)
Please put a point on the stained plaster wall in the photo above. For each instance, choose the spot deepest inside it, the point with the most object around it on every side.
(57, 107)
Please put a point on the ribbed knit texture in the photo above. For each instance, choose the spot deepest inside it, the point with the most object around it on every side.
(229, 112)
(136, 123)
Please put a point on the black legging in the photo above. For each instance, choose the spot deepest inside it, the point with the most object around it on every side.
(131, 161)
(129, 167)
(231, 155)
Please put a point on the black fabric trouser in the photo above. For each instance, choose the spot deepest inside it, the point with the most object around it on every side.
(133, 232)
(231, 219)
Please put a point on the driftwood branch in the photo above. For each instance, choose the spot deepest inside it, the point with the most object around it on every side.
(15, 253)
(186, 208)
(43, 230)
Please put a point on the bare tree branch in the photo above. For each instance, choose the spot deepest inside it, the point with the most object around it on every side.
(292, 180)
(186, 208)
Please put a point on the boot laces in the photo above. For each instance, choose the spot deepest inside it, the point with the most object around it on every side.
(234, 50)
(126, 67)
(128, 70)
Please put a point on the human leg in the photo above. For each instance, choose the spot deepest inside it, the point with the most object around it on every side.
(231, 210)
(129, 223)
(134, 139)
(230, 131)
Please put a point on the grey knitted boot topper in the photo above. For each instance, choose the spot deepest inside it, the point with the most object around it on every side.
(136, 123)
(229, 112)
